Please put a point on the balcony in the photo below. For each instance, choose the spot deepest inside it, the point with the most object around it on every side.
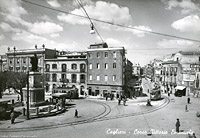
(47, 69)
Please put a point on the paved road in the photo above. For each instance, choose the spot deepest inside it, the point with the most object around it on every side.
(162, 120)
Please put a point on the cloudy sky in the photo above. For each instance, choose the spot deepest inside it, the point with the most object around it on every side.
(24, 25)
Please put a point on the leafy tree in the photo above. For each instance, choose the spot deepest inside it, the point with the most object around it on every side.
(15, 80)
(2, 83)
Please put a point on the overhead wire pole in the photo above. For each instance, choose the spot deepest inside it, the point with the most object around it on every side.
(111, 23)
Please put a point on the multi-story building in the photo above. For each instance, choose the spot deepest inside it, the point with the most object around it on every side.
(149, 71)
(105, 70)
(188, 59)
(19, 60)
(171, 76)
(136, 69)
(67, 70)
(3, 63)
(157, 65)
(183, 64)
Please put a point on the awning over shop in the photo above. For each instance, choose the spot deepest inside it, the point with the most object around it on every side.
(180, 87)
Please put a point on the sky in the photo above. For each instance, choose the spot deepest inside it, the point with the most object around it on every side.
(24, 25)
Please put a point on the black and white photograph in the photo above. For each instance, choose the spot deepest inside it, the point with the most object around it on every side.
(99, 68)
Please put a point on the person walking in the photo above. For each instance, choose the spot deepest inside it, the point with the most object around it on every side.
(177, 125)
(76, 113)
(119, 101)
(186, 108)
(188, 100)
(12, 117)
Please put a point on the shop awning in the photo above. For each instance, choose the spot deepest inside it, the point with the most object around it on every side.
(180, 87)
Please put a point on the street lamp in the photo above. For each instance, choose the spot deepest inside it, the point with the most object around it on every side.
(92, 31)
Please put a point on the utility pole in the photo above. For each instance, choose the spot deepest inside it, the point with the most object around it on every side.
(27, 111)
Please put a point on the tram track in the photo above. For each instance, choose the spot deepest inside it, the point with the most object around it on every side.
(101, 117)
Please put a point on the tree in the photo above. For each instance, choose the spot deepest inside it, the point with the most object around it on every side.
(2, 83)
(15, 80)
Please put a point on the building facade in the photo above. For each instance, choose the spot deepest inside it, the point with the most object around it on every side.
(19, 60)
(170, 76)
(105, 70)
(69, 69)
(136, 69)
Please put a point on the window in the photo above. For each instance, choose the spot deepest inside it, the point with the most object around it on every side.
(175, 69)
(54, 77)
(90, 77)
(114, 77)
(82, 67)
(114, 54)
(98, 78)
(64, 67)
(74, 66)
(106, 65)
(90, 65)
(63, 76)
(106, 54)
(18, 60)
(11, 60)
(73, 78)
(47, 77)
(24, 60)
(54, 66)
(114, 65)
(106, 78)
(98, 54)
(47, 67)
(82, 78)
(98, 66)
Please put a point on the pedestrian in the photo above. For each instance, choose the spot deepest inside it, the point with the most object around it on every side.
(177, 125)
(124, 100)
(186, 109)
(76, 113)
(168, 94)
(188, 100)
(119, 101)
(12, 117)
(106, 97)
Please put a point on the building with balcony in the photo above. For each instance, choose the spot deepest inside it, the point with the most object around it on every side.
(69, 69)
(170, 76)
(181, 70)
(105, 70)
